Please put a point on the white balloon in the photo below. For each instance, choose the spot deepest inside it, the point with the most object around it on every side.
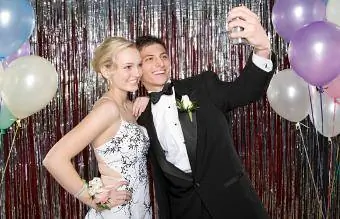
(333, 11)
(2, 72)
(28, 85)
(288, 95)
(325, 114)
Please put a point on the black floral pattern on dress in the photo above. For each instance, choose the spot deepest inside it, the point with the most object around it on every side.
(126, 152)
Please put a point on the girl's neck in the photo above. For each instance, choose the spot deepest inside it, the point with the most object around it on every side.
(120, 97)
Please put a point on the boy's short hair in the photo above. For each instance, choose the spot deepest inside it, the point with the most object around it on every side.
(148, 40)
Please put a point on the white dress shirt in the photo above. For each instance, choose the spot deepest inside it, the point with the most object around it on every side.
(169, 131)
(168, 127)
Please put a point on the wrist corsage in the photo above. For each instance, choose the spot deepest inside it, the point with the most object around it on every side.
(98, 193)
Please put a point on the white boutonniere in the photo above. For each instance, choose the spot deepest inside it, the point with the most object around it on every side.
(186, 105)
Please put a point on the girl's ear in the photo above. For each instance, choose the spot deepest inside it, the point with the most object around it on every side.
(104, 71)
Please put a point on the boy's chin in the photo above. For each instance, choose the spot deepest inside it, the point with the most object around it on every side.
(162, 81)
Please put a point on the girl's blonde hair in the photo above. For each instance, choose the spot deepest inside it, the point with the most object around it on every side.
(105, 53)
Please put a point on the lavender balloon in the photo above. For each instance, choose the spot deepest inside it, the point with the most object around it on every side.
(288, 16)
(313, 52)
(24, 50)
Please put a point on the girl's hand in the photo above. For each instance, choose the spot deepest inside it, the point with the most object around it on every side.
(139, 105)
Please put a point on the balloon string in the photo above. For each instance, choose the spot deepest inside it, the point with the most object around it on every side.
(334, 112)
(310, 169)
(317, 136)
(322, 124)
(337, 165)
(2, 132)
(320, 89)
(10, 152)
(330, 169)
(299, 123)
(311, 104)
(332, 179)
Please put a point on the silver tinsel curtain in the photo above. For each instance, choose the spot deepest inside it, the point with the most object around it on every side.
(295, 171)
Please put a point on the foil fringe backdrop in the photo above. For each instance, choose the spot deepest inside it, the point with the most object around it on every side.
(66, 33)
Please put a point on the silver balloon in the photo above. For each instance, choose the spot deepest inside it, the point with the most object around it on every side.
(288, 95)
(325, 114)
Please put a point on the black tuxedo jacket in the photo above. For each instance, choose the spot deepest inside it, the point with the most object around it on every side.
(217, 187)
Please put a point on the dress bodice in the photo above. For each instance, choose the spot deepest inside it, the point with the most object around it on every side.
(126, 154)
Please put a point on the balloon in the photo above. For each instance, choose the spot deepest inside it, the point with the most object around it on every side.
(28, 84)
(325, 115)
(6, 117)
(2, 72)
(24, 50)
(333, 88)
(313, 50)
(288, 95)
(332, 11)
(16, 25)
(288, 16)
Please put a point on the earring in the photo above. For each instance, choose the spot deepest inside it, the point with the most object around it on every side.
(109, 82)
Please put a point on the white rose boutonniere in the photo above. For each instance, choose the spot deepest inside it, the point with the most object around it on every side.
(186, 105)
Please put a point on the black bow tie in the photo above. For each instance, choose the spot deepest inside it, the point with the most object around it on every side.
(155, 96)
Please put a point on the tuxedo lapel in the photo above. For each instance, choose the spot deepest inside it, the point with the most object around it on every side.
(157, 149)
(189, 128)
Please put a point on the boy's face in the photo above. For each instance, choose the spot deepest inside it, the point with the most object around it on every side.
(155, 67)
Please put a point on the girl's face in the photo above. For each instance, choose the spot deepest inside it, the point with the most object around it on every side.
(127, 73)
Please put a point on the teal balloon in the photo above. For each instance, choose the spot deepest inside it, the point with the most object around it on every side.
(17, 21)
(6, 117)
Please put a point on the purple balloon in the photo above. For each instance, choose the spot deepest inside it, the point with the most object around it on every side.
(24, 50)
(288, 16)
(313, 52)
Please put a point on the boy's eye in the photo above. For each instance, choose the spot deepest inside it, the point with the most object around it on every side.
(148, 59)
